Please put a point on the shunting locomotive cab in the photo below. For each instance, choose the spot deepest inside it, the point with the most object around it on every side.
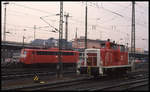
(110, 58)
(91, 62)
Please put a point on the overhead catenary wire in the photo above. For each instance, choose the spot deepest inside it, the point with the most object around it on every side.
(96, 7)
(108, 29)
(115, 13)
(33, 8)
(89, 24)
(19, 28)
(25, 26)
(50, 25)
(25, 14)
(113, 18)
(92, 23)
(31, 14)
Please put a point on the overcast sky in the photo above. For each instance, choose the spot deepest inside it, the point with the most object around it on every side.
(105, 20)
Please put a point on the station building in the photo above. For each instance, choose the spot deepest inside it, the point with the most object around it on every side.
(80, 43)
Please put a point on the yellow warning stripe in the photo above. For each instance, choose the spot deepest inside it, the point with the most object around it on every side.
(36, 78)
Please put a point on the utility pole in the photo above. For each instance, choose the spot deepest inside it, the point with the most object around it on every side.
(4, 37)
(86, 26)
(133, 32)
(133, 29)
(66, 33)
(76, 39)
(34, 31)
(23, 39)
(60, 66)
(76, 33)
(23, 42)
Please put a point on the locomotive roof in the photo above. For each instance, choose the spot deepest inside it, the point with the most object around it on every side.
(103, 43)
(48, 50)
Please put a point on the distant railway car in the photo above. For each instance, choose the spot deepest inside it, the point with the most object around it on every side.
(109, 59)
(48, 56)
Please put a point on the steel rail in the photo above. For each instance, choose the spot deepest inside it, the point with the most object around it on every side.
(43, 85)
(137, 85)
(119, 84)
(71, 86)
(32, 74)
(63, 84)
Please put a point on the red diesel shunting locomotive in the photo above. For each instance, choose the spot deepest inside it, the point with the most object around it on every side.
(109, 59)
(48, 56)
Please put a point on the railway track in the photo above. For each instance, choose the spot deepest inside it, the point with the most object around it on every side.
(29, 72)
(19, 70)
(32, 74)
(87, 83)
(43, 86)
(100, 84)
(123, 85)
(23, 72)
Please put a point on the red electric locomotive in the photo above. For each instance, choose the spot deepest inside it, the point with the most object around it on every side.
(109, 59)
(48, 56)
